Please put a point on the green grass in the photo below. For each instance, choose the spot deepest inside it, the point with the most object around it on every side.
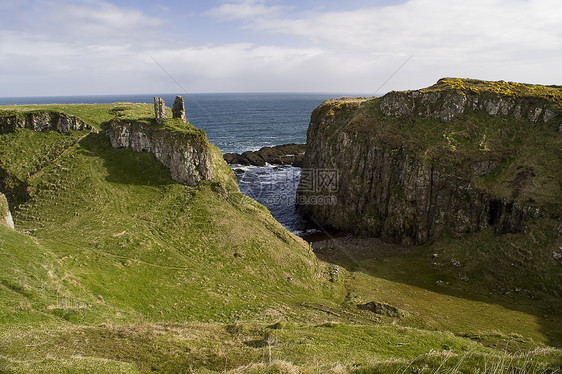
(254, 348)
(152, 238)
(115, 267)
(35, 286)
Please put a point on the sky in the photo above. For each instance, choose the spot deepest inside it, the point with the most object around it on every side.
(91, 47)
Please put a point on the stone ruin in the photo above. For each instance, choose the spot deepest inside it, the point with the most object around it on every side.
(178, 110)
(159, 109)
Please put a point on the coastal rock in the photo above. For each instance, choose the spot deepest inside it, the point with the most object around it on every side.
(187, 155)
(235, 159)
(372, 180)
(5, 215)
(178, 110)
(159, 109)
(286, 154)
(42, 121)
(254, 158)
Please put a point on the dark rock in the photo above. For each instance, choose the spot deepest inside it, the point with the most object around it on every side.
(286, 154)
(253, 158)
(235, 159)
(484, 167)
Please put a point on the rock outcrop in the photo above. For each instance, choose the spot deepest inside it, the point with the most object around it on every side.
(186, 154)
(178, 110)
(42, 121)
(5, 215)
(286, 154)
(372, 167)
(447, 105)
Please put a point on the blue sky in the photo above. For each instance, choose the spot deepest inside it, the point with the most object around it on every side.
(63, 47)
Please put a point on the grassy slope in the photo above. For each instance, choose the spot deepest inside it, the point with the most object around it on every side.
(127, 270)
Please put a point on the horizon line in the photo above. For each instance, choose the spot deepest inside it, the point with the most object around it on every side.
(369, 94)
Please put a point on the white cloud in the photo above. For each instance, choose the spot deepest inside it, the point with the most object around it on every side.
(245, 10)
(427, 25)
(489, 39)
(79, 22)
(236, 67)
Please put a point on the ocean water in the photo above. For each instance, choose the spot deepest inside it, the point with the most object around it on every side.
(275, 187)
(237, 122)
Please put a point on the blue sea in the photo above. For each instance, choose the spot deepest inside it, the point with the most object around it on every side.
(238, 122)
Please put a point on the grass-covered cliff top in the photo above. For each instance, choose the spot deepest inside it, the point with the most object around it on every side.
(511, 89)
(98, 115)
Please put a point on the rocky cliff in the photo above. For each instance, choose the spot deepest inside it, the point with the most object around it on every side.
(454, 158)
(42, 121)
(186, 153)
(5, 215)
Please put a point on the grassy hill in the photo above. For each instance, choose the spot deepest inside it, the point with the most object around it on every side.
(114, 267)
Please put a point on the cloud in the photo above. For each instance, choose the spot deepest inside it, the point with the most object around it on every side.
(71, 47)
(233, 66)
(79, 21)
(489, 39)
(428, 25)
(108, 16)
(91, 47)
(245, 10)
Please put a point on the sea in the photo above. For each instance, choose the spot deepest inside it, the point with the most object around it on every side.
(238, 122)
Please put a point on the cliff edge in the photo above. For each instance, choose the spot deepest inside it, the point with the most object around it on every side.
(457, 157)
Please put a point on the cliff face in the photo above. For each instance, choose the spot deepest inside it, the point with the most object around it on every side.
(412, 166)
(186, 154)
(42, 121)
